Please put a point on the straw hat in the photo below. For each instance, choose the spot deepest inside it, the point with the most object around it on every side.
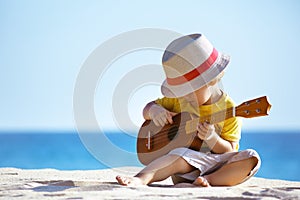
(190, 62)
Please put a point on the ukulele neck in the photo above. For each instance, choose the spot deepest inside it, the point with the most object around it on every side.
(191, 126)
(218, 116)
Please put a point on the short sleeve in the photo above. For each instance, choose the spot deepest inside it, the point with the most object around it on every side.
(168, 103)
(231, 129)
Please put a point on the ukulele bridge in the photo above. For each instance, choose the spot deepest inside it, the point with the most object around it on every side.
(148, 145)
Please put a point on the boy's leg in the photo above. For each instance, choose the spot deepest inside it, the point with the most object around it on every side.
(158, 170)
(232, 173)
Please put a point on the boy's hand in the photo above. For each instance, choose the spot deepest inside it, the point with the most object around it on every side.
(160, 116)
(206, 132)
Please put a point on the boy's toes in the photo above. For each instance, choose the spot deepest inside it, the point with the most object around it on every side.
(122, 180)
(132, 181)
(201, 181)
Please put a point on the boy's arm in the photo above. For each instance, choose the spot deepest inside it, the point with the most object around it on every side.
(222, 146)
(216, 143)
(146, 110)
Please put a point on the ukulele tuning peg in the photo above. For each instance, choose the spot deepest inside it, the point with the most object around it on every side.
(257, 100)
(247, 112)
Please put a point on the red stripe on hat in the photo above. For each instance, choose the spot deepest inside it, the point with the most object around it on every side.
(195, 72)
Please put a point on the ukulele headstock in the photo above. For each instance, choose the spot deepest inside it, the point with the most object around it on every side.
(254, 108)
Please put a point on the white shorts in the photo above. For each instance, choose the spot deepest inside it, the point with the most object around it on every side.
(207, 163)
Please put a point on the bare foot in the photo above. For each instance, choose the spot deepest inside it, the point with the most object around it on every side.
(129, 181)
(201, 181)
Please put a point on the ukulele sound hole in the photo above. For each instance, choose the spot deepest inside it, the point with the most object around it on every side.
(172, 132)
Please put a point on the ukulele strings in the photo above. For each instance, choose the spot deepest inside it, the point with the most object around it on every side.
(216, 119)
(161, 137)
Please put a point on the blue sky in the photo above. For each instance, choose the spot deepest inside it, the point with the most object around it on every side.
(45, 43)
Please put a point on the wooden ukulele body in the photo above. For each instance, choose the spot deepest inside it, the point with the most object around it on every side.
(155, 141)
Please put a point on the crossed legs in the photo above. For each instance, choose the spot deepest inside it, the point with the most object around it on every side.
(168, 165)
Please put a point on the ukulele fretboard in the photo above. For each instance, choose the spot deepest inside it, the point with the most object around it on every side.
(191, 126)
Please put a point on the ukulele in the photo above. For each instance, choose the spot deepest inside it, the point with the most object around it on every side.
(155, 141)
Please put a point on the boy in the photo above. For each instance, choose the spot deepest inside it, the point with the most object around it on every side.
(193, 68)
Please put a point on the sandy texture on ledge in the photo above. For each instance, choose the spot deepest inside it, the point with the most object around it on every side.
(101, 184)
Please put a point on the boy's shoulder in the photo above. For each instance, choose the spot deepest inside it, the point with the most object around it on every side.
(169, 103)
(229, 101)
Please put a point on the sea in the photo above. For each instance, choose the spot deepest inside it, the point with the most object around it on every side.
(68, 150)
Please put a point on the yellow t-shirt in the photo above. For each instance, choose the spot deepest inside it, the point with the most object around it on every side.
(229, 129)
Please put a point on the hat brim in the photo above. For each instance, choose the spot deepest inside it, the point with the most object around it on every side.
(206, 77)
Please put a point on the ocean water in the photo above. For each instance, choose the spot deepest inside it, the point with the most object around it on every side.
(279, 151)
